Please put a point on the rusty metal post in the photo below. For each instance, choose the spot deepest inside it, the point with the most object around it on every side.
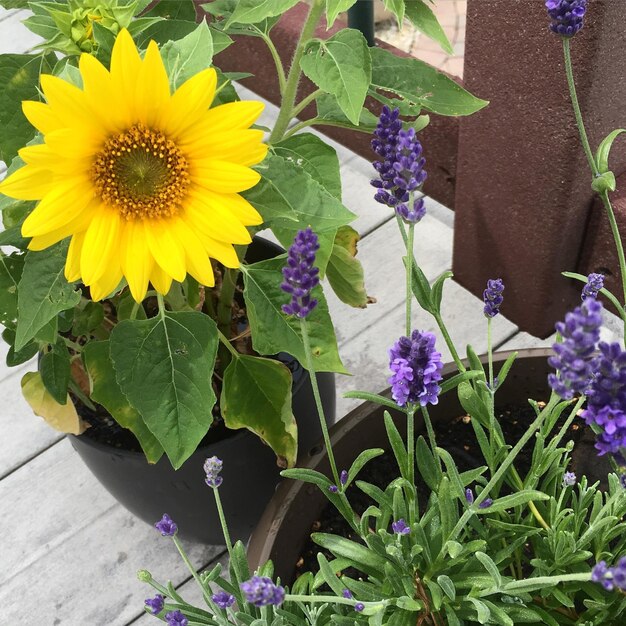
(523, 195)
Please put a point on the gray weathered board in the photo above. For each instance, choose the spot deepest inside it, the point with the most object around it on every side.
(69, 552)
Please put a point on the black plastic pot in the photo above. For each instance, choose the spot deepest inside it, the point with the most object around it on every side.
(287, 521)
(250, 472)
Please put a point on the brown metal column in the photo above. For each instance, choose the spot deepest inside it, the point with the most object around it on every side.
(523, 192)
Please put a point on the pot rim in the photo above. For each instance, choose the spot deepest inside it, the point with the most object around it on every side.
(263, 537)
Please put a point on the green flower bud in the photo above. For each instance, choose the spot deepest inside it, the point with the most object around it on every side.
(604, 182)
(144, 575)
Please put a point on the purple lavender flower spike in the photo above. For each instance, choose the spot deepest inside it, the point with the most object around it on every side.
(166, 526)
(569, 479)
(603, 575)
(567, 16)
(300, 274)
(359, 606)
(619, 574)
(595, 282)
(606, 400)
(416, 369)
(486, 503)
(492, 297)
(400, 527)
(155, 605)
(574, 357)
(469, 496)
(343, 477)
(176, 618)
(223, 599)
(401, 168)
(261, 591)
(212, 468)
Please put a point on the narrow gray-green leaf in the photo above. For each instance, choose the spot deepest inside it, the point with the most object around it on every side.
(42, 292)
(164, 366)
(341, 66)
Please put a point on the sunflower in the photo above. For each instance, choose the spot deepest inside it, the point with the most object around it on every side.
(145, 182)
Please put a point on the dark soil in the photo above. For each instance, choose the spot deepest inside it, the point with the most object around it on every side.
(458, 438)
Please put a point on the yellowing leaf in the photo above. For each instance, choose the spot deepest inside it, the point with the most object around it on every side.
(62, 417)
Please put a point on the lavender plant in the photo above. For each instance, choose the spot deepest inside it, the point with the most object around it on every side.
(490, 545)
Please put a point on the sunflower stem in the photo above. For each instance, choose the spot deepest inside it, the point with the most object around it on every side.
(280, 69)
(293, 78)
(225, 311)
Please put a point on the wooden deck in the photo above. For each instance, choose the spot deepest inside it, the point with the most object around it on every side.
(70, 553)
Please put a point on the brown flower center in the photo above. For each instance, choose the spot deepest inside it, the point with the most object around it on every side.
(142, 174)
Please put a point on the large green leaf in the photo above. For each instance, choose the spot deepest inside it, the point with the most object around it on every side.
(335, 7)
(164, 366)
(273, 331)
(189, 55)
(106, 391)
(329, 113)
(173, 10)
(341, 66)
(419, 85)
(344, 271)
(423, 18)
(19, 77)
(257, 395)
(293, 193)
(397, 8)
(42, 292)
(223, 9)
(10, 273)
(315, 157)
(253, 11)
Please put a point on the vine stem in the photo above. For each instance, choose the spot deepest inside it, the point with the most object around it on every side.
(318, 400)
(569, 71)
(285, 114)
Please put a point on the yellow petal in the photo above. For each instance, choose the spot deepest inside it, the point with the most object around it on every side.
(100, 246)
(42, 157)
(190, 100)
(223, 252)
(223, 176)
(70, 142)
(244, 147)
(137, 261)
(72, 263)
(214, 220)
(41, 116)
(125, 67)
(235, 204)
(152, 88)
(165, 247)
(67, 101)
(160, 280)
(63, 205)
(198, 263)
(232, 116)
(107, 283)
(27, 183)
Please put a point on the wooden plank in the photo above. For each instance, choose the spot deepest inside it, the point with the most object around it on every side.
(73, 557)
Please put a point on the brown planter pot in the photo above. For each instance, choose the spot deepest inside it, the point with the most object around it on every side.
(286, 522)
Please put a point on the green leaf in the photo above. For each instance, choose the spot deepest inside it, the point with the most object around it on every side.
(604, 150)
(223, 9)
(454, 381)
(364, 457)
(42, 292)
(329, 112)
(273, 331)
(62, 417)
(472, 403)
(13, 237)
(173, 10)
(334, 8)
(514, 499)
(420, 86)
(437, 289)
(329, 575)
(344, 271)
(291, 193)
(10, 273)
(420, 287)
(363, 558)
(491, 567)
(164, 31)
(87, 319)
(164, 366)
(315, 157)
(423, 18)
(25, 354)
(397, 445)
(253, 11)
(19, 77)
(54, 368)
(371, 397)
(307, 476)
(341, 66)
(447, 585)
(106, 391)
(189, 55)
(482, 610)
(428, 467)
(257, 395)
(506, 368)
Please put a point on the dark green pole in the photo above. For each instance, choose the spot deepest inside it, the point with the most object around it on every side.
(361, 17)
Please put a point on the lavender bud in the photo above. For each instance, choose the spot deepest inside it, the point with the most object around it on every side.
(261, 591)
(359, 606)
(400, 527)
(343, 478)
(300, 274)
(166, 526)
(176, 618)
(155, 605)
(569, 479)
(567, 16)
(595, 282)
(212, 468)
(603, 575)
(223, 599)
(492, 297)
(469, 496)
(346, 593)
(486, 503)
(333, 488)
